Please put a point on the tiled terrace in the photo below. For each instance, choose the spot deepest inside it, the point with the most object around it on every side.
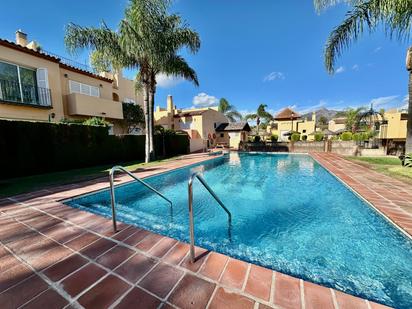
(54, 256)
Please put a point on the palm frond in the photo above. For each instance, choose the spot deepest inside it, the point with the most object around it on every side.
(177, 66)
(104, 43)
(233, 116)
(394, 15)
(321, 5)
(250, 117)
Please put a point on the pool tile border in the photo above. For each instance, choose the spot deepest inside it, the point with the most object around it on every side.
(185, 286)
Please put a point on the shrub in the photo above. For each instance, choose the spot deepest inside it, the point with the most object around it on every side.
(304, 137)
(295, 137)
(360, 136)
(346, 136)
(318, 136)
(274, 138)
(256, 139)
(36, 147)
(97, 122)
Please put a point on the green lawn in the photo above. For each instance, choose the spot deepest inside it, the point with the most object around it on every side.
(386, 165)
(9, 187)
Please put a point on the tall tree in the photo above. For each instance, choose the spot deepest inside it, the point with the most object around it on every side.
(261, 113)
(133, 117)
(395, 16)
(352, 118)
(229, 110)
(148, 40)
(408, 146)
(155, 38)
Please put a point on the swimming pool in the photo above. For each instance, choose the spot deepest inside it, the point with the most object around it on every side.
(288, 214)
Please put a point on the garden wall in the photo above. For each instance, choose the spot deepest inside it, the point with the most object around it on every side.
(347, 148)
(28, 148)
(304, 147)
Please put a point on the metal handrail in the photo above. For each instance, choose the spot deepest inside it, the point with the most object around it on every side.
(113, 199)
(198, 175)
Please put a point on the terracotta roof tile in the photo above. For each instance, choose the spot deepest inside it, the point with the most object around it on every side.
(288, 114)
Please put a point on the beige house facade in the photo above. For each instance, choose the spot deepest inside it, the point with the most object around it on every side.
(37, 86)
(199, 123)
(288, 121)
(236, 132)
(392, 132)
(337, 124)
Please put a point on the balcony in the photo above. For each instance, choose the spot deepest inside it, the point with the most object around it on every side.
(22, 94)
(84, 105)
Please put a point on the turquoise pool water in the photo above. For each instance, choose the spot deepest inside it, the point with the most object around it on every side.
(289, 214)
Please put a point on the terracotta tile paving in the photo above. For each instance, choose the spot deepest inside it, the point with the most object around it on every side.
(136, 267)
(104, 293)
(192, 292)
(227, 299)
(161, 280)
(49, 299)
(287, 291)
(137, 298)
(53, 256)
(234, 274)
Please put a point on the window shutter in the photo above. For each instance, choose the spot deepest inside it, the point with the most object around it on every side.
(42, 78)
(43, 86)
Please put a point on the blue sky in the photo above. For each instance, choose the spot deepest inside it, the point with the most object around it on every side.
(266, 51)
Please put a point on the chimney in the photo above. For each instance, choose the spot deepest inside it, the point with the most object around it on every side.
(169, 103)
(314, 116)
(21, 38)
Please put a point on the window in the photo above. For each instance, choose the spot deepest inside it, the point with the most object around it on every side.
(76, 87)
(303, 131)
(222, 135)
(24, 85)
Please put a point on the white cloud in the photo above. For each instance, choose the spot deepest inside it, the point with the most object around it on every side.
(245, 112)
(377, 49)
(204, 100)
(405, 102)
(381, 101)
(355, 67)
(168, 81)
(340, 70)
(305, 110)
(273, 76)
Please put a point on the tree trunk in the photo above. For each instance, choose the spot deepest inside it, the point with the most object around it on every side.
(408, 145)
(147, 122)
(151, 121)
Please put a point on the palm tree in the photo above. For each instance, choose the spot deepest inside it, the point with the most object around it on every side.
(261, 113)
(408, 145)
(229, 110)
(352, 118)
(148, 40)
(156, 44)
(396, 18)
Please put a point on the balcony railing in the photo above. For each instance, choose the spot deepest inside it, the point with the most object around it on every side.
(15, 92)
(72, 63)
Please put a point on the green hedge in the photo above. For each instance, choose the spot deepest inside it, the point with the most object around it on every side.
(28, 148)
